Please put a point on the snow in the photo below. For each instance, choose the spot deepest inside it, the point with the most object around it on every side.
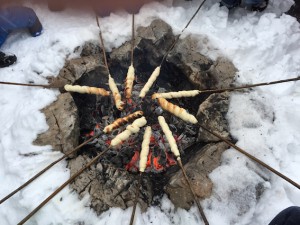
(265, 121)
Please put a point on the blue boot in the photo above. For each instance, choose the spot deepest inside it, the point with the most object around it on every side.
(18, 17)
(260, 6)
(230, 4)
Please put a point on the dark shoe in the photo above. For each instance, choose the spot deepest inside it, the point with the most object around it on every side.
(288, 216)
(230, 4)
(260, 7)
(7, 60)
(36, 28)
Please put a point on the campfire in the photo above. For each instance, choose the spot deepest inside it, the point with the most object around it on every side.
(109, 121)
(140, 130)
(99, 115)
(114, 112)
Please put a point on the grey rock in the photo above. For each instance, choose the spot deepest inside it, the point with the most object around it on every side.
(156, 39)
(74, 69)
(108, 186)
(91, 48)
(63, 122)
(223, 71)
(194, 65)
(203, 72)
(197, 169)
(212, 115)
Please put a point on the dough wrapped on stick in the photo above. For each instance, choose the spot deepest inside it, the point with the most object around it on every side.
(177, 111)
(86, 90)
(169, 136)
(150, 82)
(129, 82)
(122, 121)
(130, 129)
(116, 94)
(178, 94)
(145, 149)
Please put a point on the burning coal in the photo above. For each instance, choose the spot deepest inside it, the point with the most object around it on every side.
(111, 121)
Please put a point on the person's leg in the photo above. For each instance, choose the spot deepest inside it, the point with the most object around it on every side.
(5, 60)
(289, 216)
(3, 36)
(257, 5)
(230, 3)
(253, 2)
(13, 18)
(3, 27)
(17, 17)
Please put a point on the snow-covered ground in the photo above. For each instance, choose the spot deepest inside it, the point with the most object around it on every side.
(266, 121)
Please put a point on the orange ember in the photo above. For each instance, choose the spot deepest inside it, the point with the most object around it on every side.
(152, 139)
(156, 164)
(90, 134)
(108, 142)
(132, 165)
(149, 160)
(129, 101)
(170, 159)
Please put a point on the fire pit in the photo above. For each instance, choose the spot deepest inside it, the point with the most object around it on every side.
(112, 181)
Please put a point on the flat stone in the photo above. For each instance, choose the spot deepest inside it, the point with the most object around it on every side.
(74, 69)
(108, 186)
(197, 169)
(203, 72)
(212, 115)
(63, 122)
(223, 72)
(156, 39)
(91, 49)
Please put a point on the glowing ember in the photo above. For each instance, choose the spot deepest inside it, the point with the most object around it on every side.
(156, 164)
(114, 114)
(170, 160)
(133, 164)
(160, 156)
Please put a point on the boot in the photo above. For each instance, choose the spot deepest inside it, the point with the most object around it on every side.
(260, 7)
(36, 29)
(6, 60)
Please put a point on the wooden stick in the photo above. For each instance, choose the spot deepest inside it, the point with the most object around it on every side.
(202, 91)
(130, 129)
(47, 168)
(177, 111)
(86, 90)
(122, 121)
(175, 150)
(124, 188)
(62, 187)
(252, 157)
(132, 39)
(176, 94)
(177, 38)
(131, 73)
(193, 192)
(102, 45)
(27, 85)
(156, 72)
(111, 82)
(137, 194)
(250, 86)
